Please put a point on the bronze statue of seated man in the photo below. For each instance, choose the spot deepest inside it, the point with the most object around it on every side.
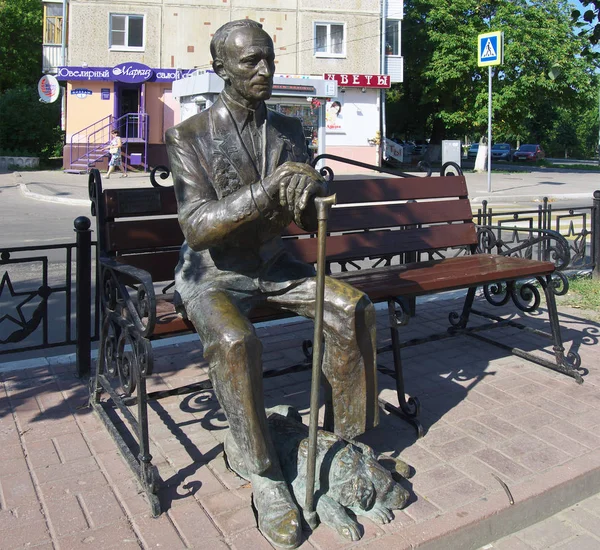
(240, 177)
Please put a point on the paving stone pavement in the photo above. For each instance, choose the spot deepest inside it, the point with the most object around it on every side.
(491, 419)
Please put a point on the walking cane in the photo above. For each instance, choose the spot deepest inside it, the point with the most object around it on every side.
(322, 204)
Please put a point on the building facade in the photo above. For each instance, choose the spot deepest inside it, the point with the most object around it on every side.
(118, 61)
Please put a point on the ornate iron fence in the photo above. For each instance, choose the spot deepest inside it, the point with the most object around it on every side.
(46, 297)
(579, 225)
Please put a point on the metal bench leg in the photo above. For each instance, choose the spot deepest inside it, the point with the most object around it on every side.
(460, 322)
(132, 361)
(566, 365)
(148, 474)
(409, 409)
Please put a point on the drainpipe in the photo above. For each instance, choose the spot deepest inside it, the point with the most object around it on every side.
(63, 47)
(382, 126)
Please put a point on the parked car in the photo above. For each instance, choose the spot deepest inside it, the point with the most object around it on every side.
(502, 151)
(473, 150)
(529, 152)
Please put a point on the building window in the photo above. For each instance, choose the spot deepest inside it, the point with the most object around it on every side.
(330, 40)
(392, 37)
(126, 32)
(53, 23)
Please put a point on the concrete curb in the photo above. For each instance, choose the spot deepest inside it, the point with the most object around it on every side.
(536, 500)
(49, 198)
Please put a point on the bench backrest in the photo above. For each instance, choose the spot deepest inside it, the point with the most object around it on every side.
(374, 218)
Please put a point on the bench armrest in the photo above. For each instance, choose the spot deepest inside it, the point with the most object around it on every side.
(116, 297)
(551, 245)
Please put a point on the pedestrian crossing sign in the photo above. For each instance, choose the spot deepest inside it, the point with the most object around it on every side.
(490, 48)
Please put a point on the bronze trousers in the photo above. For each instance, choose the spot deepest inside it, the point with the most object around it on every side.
(219, 311)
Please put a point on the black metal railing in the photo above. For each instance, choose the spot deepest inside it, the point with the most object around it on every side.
(579, 225)
(46, 297)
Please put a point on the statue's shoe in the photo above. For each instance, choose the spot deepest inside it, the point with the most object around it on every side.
(278, 516)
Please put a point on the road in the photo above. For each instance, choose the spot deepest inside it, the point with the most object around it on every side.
(26, 222)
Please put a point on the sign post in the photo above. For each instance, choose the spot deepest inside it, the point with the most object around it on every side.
(490, 52)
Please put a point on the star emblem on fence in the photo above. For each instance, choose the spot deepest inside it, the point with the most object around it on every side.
(14, 302)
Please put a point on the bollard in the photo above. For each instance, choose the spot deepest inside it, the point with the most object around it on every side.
(596, 236)
(83, 285)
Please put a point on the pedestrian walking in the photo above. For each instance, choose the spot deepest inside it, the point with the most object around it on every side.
(114, 148)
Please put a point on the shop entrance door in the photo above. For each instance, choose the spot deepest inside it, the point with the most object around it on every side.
(128, 97)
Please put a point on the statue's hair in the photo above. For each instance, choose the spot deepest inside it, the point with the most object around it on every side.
(217, 44)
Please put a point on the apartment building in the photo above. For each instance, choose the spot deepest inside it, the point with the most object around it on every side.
(118, 62)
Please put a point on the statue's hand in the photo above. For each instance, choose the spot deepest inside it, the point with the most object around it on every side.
(298, 190)
(279, 177)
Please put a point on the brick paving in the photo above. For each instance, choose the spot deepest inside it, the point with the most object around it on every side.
(489, 416)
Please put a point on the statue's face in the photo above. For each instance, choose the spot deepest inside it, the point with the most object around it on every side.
(249, 64)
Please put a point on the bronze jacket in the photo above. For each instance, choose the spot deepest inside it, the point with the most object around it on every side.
(227, 220)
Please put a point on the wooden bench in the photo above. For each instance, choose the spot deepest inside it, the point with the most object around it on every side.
(384, 237)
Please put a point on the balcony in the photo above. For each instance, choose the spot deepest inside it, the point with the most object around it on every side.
(394, 66)
(52, 58)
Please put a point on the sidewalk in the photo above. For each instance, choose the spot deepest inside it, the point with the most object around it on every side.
(490, 416)
(507, 188)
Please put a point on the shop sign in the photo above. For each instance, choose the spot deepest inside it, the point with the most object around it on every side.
(48, 89)
(83, 73)
(168, 75)
(105, 93)
(81, 93)
(294, 88)
(132, 73)
(360, 80)
(125, 72)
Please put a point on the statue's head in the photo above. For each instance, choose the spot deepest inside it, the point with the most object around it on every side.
(244, 57)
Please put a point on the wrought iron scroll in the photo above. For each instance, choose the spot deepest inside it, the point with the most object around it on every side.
(128, 322)
(163, 173)
(541, 244)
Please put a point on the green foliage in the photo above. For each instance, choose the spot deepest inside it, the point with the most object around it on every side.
(445, 93)
(588, 27)
(26, 124)
(20, 43)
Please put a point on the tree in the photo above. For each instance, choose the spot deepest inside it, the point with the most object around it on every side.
(445, 93)
(588, 24)
(28, 126)
(21, 30)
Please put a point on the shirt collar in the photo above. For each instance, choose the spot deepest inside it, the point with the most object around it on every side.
(242, 114)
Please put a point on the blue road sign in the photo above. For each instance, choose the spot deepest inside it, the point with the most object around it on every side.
(490, 48)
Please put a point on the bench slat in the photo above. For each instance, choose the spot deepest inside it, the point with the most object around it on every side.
(121, 203)
(396, 189)
(124, 203)
(355, 246)
(393, 215)
(143, 234)
(441, 275)
(397, 281)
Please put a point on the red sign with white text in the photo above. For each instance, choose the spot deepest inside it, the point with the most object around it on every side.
(360, 80)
